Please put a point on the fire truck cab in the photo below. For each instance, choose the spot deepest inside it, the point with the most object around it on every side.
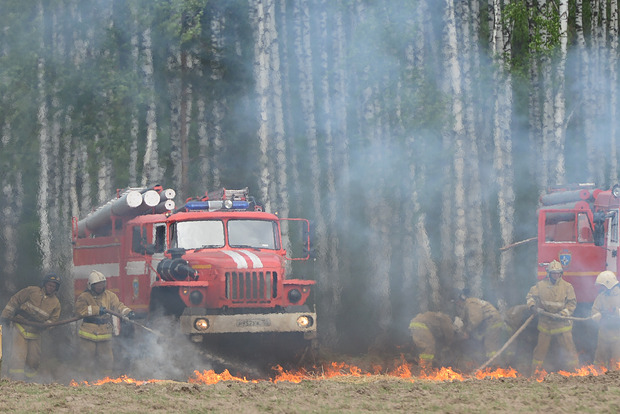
(217, 263)
(578, 225)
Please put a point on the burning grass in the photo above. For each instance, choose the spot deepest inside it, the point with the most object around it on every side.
(343, 371)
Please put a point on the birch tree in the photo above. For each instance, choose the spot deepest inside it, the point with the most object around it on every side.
(453, 211)
(151, 171)
(613, 99)
(501, 137)
(44, 152)
(303, 55)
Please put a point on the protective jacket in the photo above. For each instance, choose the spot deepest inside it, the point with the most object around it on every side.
(31, 304)
(606, 310)
(431, 331)
(482, 322)
(558, 298)
(607, 304)
(97, 327)
(480, 317)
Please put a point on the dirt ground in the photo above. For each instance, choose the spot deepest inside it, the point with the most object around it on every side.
(344, 394)
(185, 381)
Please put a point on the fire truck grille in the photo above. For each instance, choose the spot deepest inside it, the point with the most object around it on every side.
(251, 286)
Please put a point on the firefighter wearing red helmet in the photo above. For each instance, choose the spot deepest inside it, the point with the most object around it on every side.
(554, 295)
(27, 310)
(95, 333)
(432, 333)
(606, 311)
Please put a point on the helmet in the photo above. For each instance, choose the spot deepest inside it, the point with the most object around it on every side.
(95, 277)
(554, 267)
(52, 277)
(607, 278)
(460, 294)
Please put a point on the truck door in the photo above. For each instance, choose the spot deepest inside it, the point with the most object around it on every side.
(612, 241)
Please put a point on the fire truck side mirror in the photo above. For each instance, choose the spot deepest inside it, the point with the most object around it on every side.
(149, 249)
(308, 240)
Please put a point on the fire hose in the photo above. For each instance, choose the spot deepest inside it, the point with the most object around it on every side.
(40, 325)
(557, 316)
(209, 355)
(507, 344)
(527, 322)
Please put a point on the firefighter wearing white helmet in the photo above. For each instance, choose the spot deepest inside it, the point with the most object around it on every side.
(606, 311)
(95, 333)
(554, 295)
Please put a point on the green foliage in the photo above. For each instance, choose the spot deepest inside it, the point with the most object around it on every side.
(533, 31)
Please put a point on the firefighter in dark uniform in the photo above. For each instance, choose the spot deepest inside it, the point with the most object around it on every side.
(95, 333)
(606, 311)
(432, 333)
(556, 296)
(37, 305)
(483, 327)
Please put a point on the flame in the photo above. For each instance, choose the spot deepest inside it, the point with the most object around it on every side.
(443, 374)
(123, 379)
(401, 369)
(211, 377)
(498, 373)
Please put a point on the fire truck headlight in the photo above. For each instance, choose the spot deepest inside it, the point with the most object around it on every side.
(305, 321)
(294, 295)
(196, 297)
(615, 190)
(201, 324)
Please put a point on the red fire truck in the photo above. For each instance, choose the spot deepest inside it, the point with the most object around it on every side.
(578, 225)
(217, 263)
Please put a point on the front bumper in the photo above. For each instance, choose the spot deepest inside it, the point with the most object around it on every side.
(252, 323)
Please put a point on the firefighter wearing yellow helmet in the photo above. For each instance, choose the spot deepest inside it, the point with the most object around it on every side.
(27, 310)
(554, 295)
(95, 333)
(606, 311)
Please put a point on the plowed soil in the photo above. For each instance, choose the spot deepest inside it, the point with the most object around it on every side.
(346, 394)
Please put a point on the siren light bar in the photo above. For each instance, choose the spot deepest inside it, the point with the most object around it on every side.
(213, 205)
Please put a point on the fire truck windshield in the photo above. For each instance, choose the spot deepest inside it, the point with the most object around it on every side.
(198, 234)
(261, 234)
(209, 234)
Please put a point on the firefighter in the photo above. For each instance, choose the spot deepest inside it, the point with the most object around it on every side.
(36, 304)
(432, 333)
(606, 311)
(556, 296)
(483, 326)
(95, 333)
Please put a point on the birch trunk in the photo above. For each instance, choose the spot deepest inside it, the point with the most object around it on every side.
(559, 104)
(454, 224)
(134, 124)
(44, 152)
(503, 144)
(151, 172)
(612, 175)
(175, 86)
(473, 201)
(303, 54)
